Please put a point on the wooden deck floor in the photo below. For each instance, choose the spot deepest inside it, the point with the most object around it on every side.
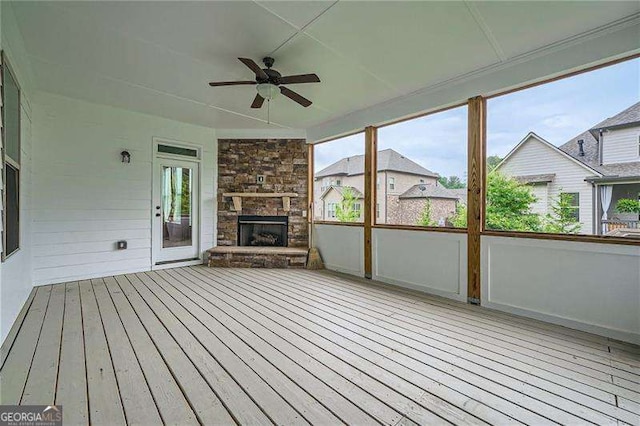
(223, 346)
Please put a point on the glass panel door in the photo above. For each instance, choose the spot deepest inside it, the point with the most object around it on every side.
(177, 206)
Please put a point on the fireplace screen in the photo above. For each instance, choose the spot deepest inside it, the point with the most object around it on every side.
(263, 231)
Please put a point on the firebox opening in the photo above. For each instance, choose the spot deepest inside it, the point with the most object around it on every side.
(270, 231)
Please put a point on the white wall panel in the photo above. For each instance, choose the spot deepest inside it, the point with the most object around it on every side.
(591, 287)
(86, 199)
(15, 271)
(433, 262)
(341, 247)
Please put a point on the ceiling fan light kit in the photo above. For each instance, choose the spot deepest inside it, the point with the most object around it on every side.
(269, 83)
(268, 91)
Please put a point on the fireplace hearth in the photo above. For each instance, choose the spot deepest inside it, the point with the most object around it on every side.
(263, 231)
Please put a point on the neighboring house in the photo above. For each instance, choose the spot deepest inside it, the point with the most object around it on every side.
(397, 175)
(443, 203)
(332, 196)
(598, 167)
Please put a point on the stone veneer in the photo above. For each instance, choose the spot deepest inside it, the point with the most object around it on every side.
(284, 164)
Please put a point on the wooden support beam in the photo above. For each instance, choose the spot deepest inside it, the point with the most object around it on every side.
(476, 193)
(370, 154)
(310, 178)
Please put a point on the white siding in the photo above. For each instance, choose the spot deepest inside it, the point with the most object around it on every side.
(587, 286)
(15, 272)
(621, 146)
(541, 191)
(86, 199)
(535, 157)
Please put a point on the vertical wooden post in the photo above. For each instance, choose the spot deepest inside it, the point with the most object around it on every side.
(476, 193)
(310, 195)
(370, 170)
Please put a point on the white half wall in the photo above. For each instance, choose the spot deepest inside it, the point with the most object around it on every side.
(586, 286)
(341, 247)
(85, 199)
(433, 262)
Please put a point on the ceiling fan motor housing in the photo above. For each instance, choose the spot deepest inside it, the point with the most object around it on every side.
(274, 77)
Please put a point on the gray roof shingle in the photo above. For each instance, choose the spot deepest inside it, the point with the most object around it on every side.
(422, 190)
(341, 189)
(543, 178)
(629, 116)
(388, 159)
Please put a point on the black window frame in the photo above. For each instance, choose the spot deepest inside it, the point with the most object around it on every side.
(6, 69)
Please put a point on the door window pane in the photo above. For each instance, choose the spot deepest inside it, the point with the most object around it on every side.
(177, 206)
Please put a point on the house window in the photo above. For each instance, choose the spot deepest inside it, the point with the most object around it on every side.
(338, 182)
(421, 180)
(378, 182)
(357, 208)
(11, 160)
(331, 210)
(377, 210)
(573, 203)
(392, 183)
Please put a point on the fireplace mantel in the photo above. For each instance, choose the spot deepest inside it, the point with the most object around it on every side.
(238, 196)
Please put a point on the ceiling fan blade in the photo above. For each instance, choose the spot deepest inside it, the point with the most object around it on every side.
(295, 96)
(301, 78)
(230, 83)
(257, 101)
(255, 68)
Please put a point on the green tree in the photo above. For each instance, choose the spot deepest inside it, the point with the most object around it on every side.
(492, 162)
(451, 182)
(508, 206)
(345, 210)
(562, 219)
(425, 216)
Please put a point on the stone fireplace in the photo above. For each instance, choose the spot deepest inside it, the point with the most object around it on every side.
(263, 231)
(261, 180)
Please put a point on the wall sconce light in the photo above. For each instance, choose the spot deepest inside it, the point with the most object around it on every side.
(126, 157)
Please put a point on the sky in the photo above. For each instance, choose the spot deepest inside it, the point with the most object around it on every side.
(556, 111)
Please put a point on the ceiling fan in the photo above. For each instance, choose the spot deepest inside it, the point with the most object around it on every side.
(269, 83)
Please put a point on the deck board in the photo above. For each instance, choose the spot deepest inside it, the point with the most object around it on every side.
(72, 389)
(258, 346)
(41, 382)
(18, 362)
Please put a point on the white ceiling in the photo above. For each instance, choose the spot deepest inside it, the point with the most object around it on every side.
(157, 57)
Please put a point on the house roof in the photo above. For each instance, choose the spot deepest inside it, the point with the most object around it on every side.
(422, 190)
(388, 159)
(590, 159)
(341, 189)
(628, 117)
(530, 179)
(533, 135)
